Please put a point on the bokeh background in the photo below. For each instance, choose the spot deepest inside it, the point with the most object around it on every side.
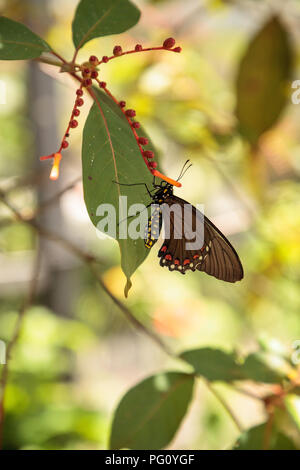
(77, 355)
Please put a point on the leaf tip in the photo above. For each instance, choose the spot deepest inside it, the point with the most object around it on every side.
(127, 287)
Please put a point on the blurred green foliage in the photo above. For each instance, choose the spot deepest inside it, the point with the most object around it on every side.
(77, 356)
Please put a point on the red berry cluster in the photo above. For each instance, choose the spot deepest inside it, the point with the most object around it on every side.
(89, 73)
(73, 122)
(148, 155)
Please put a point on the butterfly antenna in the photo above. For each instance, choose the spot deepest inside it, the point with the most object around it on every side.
(184, 170)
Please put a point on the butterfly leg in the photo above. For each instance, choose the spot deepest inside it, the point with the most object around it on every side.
(134, 184)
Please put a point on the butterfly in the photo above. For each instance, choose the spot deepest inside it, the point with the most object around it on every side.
(216, 256)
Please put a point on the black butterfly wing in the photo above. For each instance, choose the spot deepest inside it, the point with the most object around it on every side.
(216, 257)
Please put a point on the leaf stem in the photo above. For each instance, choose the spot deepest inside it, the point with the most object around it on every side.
(58, 56)
(45, 60)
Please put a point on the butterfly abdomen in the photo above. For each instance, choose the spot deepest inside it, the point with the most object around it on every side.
(153, 228)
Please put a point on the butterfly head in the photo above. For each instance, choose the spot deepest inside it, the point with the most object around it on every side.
(162, 192)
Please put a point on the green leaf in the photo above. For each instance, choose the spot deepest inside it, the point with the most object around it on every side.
(264, 367)
(213, 364)
(256, 439)
(149, 415)
(111, 154)
(262, 81)
(96, 18)
(17, 42)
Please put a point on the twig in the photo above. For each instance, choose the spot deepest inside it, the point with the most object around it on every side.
(130, 317)
(45, 232)
(26, 304)
(44, 205)
(134, 51)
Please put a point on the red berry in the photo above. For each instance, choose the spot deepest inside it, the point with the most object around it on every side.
(148, 154)
(122, 104)
(152, 164)
(102, 84)
(93, 60)
(130, 112)
(79, 102)
(88, 82)
(94, 74)
(117, 50)
(177, 49)
(76, 112)
(136, 125)
(169, 43)
(79, 92)
(105, 59)
(73, 123)
(64, 144)
(143, 141)
(138, 47)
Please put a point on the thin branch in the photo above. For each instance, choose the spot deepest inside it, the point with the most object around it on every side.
(56, 54)
(146, 49)
(26, 305)
(44, 205)
(45, 232)
(130, 317)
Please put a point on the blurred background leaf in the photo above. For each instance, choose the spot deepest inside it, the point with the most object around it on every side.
(263, 79)
(254, 439)
(150, 414)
